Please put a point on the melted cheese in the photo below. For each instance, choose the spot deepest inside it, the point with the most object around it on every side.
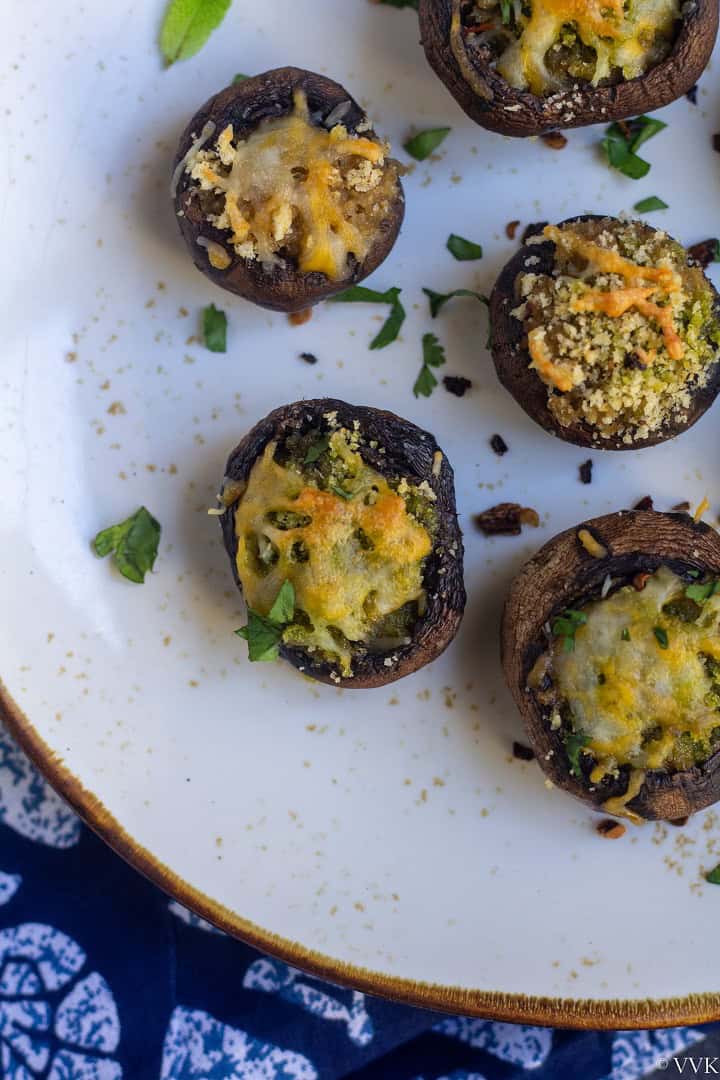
(624, 40)
(347, 583)
(285, 181)
(622, 691)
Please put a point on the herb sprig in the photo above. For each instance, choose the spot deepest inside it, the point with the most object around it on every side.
(439, 300)
(359, 294)
(263, 633)
(622, 141)
(186, 26)
(214, 326)
(422, 145)
(566, 625)
(463, 250)
(133, 545)
(433, 357)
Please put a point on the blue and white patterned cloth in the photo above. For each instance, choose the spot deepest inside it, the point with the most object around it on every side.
(102, 978)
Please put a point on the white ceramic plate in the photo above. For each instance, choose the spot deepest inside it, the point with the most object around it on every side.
(386, 838)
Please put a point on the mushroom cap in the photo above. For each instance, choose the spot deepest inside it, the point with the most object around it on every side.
(408, 452)
(489, 100)
(512, 359)
(563, 574)
(244, 105)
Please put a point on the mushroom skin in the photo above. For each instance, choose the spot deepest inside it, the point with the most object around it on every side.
(245, 105)
(512, 359)
(563, 574)
(408, 452)
(491, 102)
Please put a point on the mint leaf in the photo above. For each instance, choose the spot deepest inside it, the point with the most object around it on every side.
(421, 146)
(187, 25)
(133, 545)
(263, 633)
(214, 329)
(463, 250)
(645, 206)
(433, 357)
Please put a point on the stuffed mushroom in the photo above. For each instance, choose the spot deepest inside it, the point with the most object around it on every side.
(342, 533)
(607, 333)
(611, 649)
(283, 192)
(522, 67)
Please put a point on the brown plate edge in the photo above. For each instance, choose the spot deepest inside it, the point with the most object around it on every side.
(580, 1013)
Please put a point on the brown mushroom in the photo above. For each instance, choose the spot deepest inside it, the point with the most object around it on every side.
(464, 60)
(286, 236)
(563, 408)
(398, 491)
(564, 576)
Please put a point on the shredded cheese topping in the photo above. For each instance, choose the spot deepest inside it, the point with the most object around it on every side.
(359, 559)
(641, 681)
(294, 189)
(549, 44)
(622, 331)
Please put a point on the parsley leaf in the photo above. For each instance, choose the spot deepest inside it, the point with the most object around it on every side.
(263, 633)
(439, 300)
(463, 250)
(699, 593)
(645, 206)
(341, 492)
(433, 357)
(421, 146)
(214, 329)
(661, 636)
(506, 11)
(622, 141)
(316, 450)
(186, 26)
(713, 876)
(565, 626)
(133, 544)
(359, 294)
(575, 742)
(239, 78)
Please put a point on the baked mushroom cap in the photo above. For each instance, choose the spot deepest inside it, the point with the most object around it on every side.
(492, 102)
(570, 570)
(280, 284)
(398, 451)
(510, 352)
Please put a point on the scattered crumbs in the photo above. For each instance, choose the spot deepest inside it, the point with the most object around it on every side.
(333, 910)
(183, 312)
(50, 637)
(394, 701)
(150, 303)
(308, 357)
(151, 468)
(407, 781)
(681, 507)
(645, 503)
(438, 781)
(105, 385)
(70, 357)
(193, 682)
(218, 841)
(554, 139)
(586, 471)
(456, 384)
(511, 228)
(122, 475)
(424, 695)
(166, 640)
(299, 318)
(522, 752)
(359, 906)
(498, 445)
(423, 795)
(117, 409)
(506, 519)
(160, 286)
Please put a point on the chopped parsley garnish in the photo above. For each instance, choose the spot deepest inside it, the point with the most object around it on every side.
(575, 743)
(566, 625)
(263, 633)
(713, 876)
(214, 329)
(359, 294)
(316, 450)
(439, 300)
(661, 636)
(433, 357)
(625, 635)
(463, 250)
(341, 492)
(186, 26)
(506, 11)
(421, 146)
(622, 141)
(239, 78)
(133, 544)
(645, 206)
(700, 593)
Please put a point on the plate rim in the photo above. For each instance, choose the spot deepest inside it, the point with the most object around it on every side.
(601, 1014)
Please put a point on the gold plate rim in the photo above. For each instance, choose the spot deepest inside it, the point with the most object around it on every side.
(577, 1013)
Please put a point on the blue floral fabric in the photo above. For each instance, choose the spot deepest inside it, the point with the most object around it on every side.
(103, 978)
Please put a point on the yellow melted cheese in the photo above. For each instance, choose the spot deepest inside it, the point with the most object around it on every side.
(622, 39)
(285, 181)
(620, 690)
(365, 554)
